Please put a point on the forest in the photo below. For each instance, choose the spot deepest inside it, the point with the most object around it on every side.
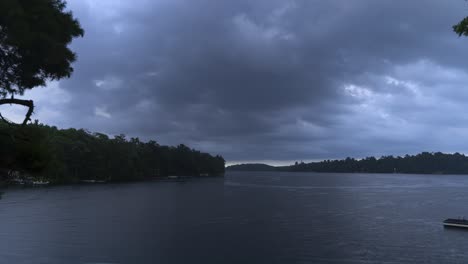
(72, 155)
(422, 163)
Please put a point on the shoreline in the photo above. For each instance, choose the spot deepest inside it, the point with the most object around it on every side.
(381, 173)
(172, 178)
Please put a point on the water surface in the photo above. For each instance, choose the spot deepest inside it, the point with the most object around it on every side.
(246, 217)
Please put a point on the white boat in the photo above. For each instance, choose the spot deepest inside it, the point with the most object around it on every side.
(461, 223)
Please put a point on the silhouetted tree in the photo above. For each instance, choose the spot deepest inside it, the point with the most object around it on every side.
(34, 38)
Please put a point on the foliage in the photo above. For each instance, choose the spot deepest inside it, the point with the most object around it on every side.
(71, 155)
(462, 27)
(34, 35)
(423, 163)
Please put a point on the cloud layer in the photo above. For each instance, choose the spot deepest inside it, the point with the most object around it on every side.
(269, 80)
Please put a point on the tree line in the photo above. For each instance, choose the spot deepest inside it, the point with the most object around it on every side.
(422, 163)
(72, 155)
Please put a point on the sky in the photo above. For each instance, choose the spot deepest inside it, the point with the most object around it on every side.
(268, 80)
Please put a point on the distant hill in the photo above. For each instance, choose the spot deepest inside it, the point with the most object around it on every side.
(251, 167)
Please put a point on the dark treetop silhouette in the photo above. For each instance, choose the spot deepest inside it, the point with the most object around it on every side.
(34, 38)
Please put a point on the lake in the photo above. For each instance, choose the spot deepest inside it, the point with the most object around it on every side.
(245, 217)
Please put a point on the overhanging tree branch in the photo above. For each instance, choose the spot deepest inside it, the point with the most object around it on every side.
(26, 103)
(31, 50)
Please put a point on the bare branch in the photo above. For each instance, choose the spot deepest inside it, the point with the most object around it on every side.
(26, 103)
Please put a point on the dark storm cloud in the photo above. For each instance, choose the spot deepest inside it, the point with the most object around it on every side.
(269, 80)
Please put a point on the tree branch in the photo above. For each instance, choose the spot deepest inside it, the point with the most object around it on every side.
(26, 103)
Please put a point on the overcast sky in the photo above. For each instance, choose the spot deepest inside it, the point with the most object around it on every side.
(268, 80)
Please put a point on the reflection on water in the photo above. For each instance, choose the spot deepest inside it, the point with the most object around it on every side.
(243, 218)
